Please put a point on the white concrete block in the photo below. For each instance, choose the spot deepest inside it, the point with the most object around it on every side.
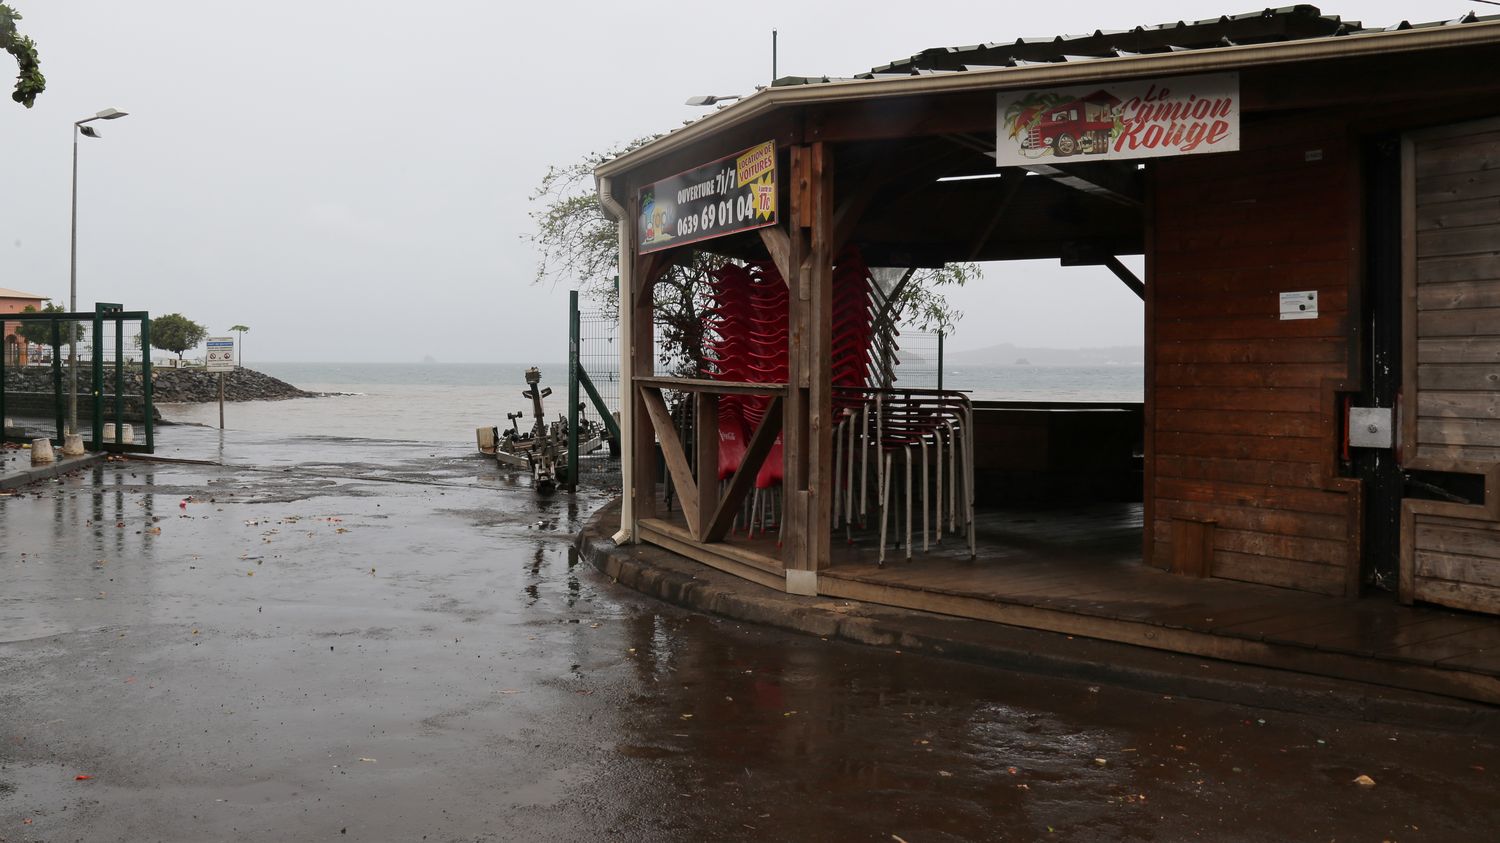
(41, 452)
(802, 582)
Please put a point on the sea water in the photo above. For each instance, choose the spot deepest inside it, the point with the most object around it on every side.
(445, 402)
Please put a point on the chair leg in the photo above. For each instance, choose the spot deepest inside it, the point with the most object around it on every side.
(864, 466)
(923, 490)
(885, 493)
(908, 502)
(937, 486)
(849, 488)
(838, 472)
(952, 478)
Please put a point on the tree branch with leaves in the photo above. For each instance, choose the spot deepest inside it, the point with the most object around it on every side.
(29, 82)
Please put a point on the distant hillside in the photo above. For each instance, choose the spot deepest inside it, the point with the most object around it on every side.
(1008, 354)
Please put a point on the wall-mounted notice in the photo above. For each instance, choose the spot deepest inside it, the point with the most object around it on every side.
(729, 195)
(1187, 115)
(1299, 305)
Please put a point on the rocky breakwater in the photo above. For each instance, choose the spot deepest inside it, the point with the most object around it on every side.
(190, 386)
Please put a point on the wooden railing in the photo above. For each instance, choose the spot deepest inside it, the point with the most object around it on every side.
(709, 514)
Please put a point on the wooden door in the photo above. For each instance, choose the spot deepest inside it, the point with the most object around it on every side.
(1450, 407)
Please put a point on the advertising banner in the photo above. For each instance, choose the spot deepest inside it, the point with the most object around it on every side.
(1153, 118)
(733, 194)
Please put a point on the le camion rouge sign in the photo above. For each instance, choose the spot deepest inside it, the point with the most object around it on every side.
(1152, 118)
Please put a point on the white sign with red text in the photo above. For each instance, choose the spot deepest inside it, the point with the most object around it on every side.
(1188, 115)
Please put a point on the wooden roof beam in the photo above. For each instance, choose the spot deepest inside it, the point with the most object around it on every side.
(1117, 182)
(1079, 254)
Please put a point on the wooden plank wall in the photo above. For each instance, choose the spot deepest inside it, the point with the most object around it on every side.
(1452, 553)
(1246, 433)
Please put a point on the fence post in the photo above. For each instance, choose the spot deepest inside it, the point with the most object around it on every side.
(5, 352)
(96, 385)
(119, 379)
(146, 383)
(573, 339)
(57, 396)
(940, 361)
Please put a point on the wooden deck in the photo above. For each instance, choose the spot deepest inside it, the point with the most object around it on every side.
(1078, 572)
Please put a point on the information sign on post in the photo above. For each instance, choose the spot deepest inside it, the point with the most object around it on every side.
(221, 360)
(221, 354)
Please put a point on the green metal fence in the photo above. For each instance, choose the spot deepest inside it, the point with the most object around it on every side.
(579, 377)
(83, 372)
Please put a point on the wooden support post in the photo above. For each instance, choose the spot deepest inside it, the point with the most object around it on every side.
(1192, 547)
(641, 450)
(706, 405)
(807, 440)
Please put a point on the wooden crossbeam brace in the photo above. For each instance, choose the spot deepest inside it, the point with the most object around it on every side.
(649, 268)
(673, 453)
(779, 245)
(1010, 185)
(744, 476)
(1123, 273)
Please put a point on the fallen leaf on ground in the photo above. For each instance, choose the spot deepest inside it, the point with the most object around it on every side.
(1364, 781)
(82, 778)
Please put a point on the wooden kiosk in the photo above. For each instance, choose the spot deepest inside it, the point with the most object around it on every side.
(1318, 204)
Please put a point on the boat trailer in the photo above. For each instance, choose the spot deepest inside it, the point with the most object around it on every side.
(543, 448)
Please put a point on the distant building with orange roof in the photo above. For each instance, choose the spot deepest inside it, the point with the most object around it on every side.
(15, 301)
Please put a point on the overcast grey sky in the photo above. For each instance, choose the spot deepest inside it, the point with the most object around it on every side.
(350, 177)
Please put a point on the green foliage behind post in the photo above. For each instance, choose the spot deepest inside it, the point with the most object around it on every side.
(176, 333)
(29, 82)
(39, 332)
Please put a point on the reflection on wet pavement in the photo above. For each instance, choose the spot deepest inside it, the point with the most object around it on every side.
(365, 640)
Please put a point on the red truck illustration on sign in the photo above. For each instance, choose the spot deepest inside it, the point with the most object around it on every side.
(1146, 119)
(1070, 127)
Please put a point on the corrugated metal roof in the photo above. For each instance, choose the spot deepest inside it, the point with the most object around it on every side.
(1288, 23)
(1269, 37)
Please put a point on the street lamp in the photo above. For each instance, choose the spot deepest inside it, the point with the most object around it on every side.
(79, 128)
(709, 99)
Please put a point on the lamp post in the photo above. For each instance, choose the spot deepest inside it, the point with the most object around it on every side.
(79, 128)
(708, 99)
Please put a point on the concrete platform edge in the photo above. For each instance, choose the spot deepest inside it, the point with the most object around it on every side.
(27, 476)
(671, 578)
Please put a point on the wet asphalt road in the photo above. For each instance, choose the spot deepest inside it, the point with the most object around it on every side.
(358, 640)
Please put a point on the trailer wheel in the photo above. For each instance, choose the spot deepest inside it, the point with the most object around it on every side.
(1066, 145)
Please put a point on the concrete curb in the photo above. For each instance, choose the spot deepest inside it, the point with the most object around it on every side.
(27, 476)
(666, 576)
